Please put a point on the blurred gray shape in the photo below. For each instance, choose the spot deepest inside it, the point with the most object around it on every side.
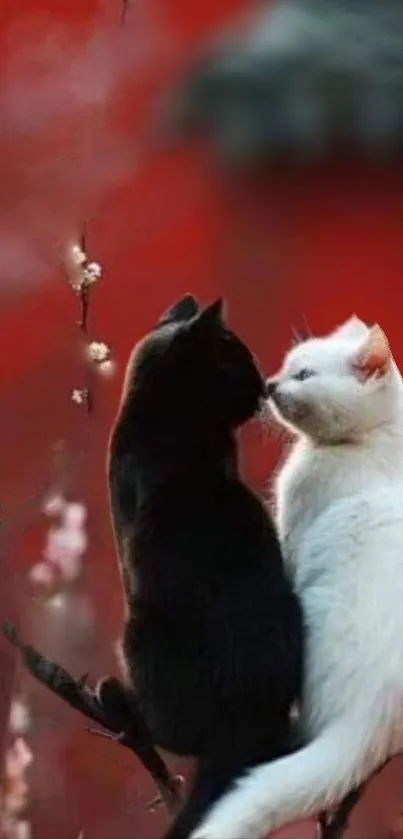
(299, 78)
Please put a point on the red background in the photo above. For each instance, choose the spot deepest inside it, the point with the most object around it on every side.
(284, 248)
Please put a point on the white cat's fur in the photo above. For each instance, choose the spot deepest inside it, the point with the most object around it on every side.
(340, 515)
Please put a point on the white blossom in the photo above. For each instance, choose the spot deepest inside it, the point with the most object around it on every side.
(64, 546)
(23, 753)
(16, 796)
(62, 542)
(70, 567)
(18, 758)
(23, 830)
(74, 515)
(20, 718)
(53, 505)
(91, 273)
(78, 396)
(77, 255)
(81, 273)
(42, 574)
(107, 368)
(98, 351)
(94, 268)
(57, 602)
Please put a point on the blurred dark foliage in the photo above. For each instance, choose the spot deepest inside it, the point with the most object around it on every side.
(300, 79)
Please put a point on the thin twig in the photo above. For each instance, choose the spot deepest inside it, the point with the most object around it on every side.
(84, 291)
(77, 694)
(84, 298)
(333, 825)
(124, 10)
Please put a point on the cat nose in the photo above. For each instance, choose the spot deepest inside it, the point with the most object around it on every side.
(271, 385)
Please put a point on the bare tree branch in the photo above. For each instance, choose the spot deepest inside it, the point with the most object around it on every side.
(77, 694)
(124, 10)
(333, 825)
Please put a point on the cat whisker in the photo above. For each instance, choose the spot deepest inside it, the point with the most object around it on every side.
(302, 334)
(269, 426)
(307, 330)
(296, 336)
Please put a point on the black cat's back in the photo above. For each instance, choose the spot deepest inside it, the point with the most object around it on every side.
(212, 640)
(209, 613)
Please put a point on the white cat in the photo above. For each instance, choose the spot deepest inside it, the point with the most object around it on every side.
(340, 515)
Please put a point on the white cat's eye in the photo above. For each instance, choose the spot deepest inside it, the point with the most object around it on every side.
(303, 374)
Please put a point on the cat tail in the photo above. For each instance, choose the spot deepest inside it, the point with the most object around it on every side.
(212, 780)
(302, 784)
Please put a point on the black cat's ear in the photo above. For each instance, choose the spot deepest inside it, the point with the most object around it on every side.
(212, 316)
(183, 310)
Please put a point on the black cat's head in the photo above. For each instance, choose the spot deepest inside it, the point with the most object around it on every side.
(193, 368)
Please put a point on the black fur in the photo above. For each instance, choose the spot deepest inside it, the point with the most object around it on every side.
(212, 637)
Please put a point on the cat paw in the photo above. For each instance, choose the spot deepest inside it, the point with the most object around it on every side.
(115, 700)
(178, 783)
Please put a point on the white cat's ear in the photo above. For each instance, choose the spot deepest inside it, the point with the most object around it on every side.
(373, 357)
(353, 328)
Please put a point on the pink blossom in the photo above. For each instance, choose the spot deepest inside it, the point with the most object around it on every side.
(107, 368)
(74, 515)
(20, 719)
(62, 542)
(21, 753)
(16, 795)
(22, 830)
(42, 574)
(57, 602)
(70, 566)
(54, 505)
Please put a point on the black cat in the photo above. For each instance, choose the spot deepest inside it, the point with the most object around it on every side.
(212, 642)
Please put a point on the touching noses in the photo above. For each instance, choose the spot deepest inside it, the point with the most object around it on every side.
(271, 386)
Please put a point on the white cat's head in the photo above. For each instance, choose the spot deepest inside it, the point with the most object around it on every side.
(339, 387)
